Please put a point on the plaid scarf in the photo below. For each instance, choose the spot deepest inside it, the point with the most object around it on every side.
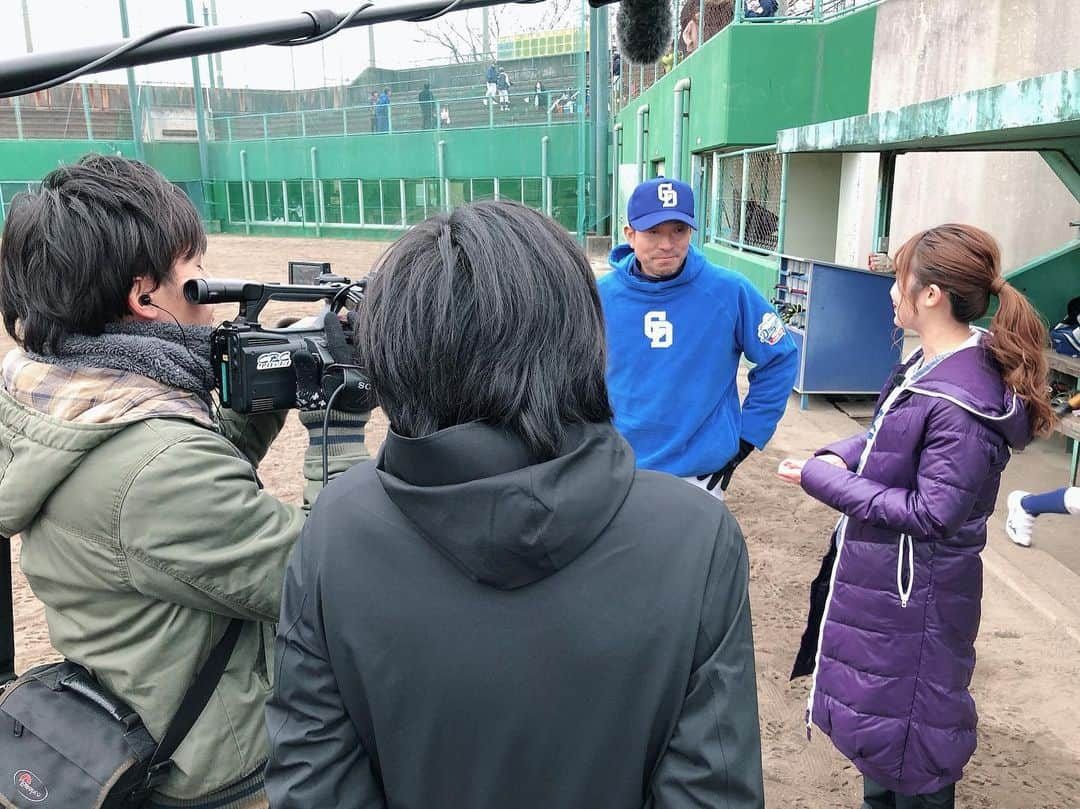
(131, 372)
(175, 356)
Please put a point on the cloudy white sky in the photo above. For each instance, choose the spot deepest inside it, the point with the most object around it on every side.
(59, 24)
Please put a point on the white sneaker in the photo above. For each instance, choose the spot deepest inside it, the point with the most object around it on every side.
(1018, 523)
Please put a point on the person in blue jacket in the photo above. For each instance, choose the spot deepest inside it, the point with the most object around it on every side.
(677, 327)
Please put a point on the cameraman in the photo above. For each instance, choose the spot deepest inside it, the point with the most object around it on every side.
(144, 526)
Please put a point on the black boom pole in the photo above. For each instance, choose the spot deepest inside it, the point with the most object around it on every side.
(23, 72)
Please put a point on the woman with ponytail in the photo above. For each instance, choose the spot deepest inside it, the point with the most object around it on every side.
(895, 608)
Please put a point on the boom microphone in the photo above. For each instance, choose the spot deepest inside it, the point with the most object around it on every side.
(644, 30)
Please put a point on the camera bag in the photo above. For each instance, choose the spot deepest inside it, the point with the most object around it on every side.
(67, 742)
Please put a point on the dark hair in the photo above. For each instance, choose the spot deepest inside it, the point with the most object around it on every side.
(72, 249)
(487, 313)
(965, 263)
(1072, 312)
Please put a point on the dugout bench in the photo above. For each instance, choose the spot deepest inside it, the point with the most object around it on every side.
(1069, 426)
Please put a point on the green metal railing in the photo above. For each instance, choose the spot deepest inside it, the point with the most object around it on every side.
(634, 79)
(547, 108)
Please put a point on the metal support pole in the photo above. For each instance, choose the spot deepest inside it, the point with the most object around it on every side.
(676, 33)
(639, 152)
(485, 36)
(545, 183)
(316, 189)
(583, 133)
(217, 56)
(209, 56)
(200, 117)
(817, 11)
(616, 212)
(401, 196)
(701, 23)
(742, 199)
(601, 98)
(883, 209)
(244, 190)
(133, 93)
(782, 215)
(681, 87)
(18, 117)
(86, 112)
(443, 182)
(740, 9)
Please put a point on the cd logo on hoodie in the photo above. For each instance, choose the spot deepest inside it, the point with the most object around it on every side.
(659, 330)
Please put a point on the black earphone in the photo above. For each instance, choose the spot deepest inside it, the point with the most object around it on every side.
(144, 300)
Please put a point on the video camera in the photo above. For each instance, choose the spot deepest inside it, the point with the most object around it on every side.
(253, 365)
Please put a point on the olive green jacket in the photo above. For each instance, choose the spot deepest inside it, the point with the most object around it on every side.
(144, 530)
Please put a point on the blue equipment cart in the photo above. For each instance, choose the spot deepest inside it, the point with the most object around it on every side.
(841, 319)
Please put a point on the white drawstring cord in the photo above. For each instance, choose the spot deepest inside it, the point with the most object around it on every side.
(905, 593)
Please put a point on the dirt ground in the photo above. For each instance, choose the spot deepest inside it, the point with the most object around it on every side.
(1025, 682)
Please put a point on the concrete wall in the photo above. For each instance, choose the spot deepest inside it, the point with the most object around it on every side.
(924, 49)
(813, 200)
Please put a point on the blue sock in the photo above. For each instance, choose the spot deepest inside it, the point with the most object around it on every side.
(1046, 503)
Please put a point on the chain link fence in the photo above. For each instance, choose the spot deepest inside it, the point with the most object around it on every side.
(744, 206)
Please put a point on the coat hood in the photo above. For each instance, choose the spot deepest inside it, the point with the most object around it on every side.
(624, 262)
(52, 417)
(42, 451)
(971, 378)
(506, 521)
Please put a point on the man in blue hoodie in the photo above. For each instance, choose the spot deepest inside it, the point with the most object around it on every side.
(677, 328)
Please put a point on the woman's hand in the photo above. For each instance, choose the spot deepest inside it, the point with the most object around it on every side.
(790, 471)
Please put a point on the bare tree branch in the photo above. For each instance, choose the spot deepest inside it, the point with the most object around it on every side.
(465, 41)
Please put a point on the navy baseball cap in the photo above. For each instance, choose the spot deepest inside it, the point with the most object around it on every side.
(661, 200)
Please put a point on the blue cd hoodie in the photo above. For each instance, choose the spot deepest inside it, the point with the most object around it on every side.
(673, 356)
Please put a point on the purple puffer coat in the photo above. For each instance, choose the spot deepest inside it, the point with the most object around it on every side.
(897, 648)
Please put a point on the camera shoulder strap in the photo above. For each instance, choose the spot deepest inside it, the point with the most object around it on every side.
(7, 615)
(196, 698)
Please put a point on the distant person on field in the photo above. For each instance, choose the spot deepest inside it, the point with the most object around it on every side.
(761, 8)
(373, 103)
(503, 83)
(427, 107)
(491, 82)
(444, 115)
(382, 111)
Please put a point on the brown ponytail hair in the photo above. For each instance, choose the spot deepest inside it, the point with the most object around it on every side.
(965, 263)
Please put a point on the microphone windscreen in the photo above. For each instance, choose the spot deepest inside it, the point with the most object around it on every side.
(644, 30)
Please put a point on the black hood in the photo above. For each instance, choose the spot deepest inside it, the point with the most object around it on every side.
(475, 493)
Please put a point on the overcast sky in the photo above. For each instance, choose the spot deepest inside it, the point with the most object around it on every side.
(59, 24)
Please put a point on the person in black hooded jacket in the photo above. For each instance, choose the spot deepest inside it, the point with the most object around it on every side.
(501, 611)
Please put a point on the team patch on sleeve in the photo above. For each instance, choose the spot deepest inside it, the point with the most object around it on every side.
(771, 329)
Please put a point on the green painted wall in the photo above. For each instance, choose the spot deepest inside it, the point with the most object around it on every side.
(1049, 281)
(503, 151)
(749, 81)
(33, 159)
(761, 270)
